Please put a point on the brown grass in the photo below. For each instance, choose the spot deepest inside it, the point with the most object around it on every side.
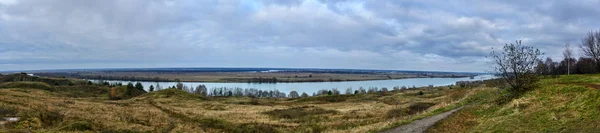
(172, 110)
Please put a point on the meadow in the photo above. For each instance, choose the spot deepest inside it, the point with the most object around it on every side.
(82, 107)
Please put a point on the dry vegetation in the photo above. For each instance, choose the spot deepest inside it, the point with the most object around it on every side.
(172, 110)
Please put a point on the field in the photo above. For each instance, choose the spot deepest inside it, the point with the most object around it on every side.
(79, 107)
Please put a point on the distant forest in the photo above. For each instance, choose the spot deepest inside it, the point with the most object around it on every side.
(588, 63)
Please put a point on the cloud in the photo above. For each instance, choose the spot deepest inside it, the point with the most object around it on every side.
(375, 34)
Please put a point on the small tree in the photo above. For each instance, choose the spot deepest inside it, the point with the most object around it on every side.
(349, 91)
(130, 85)
(179, 86)
(158, 86)
(568, 54)
(304, 94)
(139, 86)
(129, 88)
(294, 94)
(515, 65)
(151, 88)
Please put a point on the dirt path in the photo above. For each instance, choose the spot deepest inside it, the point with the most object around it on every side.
(421, 125)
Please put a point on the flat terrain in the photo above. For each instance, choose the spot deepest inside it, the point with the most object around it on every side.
(77, 107)
(247, 76)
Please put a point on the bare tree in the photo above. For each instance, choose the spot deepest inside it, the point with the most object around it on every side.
(515, 65)
(349, 91)
(179, 86)
(590, 47)
(550, 66)
(568, 54)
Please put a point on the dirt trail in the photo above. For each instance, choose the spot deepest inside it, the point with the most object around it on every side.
(419, 126)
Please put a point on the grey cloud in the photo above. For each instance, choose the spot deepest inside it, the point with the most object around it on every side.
(331, 34)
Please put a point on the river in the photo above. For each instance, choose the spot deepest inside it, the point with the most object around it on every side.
(311, 87)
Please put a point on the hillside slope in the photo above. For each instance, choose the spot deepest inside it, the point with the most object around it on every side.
(173, 110)
(564, 104)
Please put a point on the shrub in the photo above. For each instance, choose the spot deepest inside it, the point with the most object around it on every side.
(420, 93)
(124, 92)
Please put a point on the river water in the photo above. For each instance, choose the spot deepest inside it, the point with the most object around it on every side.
(311, 87)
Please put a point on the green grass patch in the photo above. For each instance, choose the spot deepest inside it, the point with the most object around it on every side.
(28, 85)
(568, 103)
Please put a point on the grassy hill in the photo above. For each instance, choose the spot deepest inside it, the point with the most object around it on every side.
(564, 104)
(71, 109)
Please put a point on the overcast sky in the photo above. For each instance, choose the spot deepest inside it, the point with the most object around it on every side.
(436, 35)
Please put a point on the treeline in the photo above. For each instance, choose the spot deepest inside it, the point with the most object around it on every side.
(589, 63)
(257, 93)
(102, 77)
(263, 80)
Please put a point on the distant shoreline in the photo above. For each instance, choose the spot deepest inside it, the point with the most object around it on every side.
(280, 81)
(249, 77)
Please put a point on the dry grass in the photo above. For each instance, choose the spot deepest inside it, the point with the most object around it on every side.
(176, 111)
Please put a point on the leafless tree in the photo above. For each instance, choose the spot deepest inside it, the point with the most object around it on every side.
(201, 90)
(515, 65)
(335, 91)
(179, 86)
(349, 91)
(568, 54)
(550, 66)
(590, 47)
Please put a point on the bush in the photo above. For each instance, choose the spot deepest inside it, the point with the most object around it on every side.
(124, 92)
(420, 93)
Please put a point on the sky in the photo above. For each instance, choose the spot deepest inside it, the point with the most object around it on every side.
(431, 35)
